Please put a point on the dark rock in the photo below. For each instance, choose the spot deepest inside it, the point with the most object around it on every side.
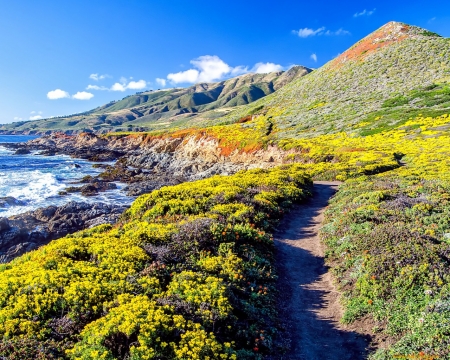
(22, 151)
(4, 224)
(27, 231)
(10, 201)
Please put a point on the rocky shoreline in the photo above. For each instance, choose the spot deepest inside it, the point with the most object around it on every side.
(25, 232)
(143, 164)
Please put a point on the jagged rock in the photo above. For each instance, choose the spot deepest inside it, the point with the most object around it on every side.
(27, 231)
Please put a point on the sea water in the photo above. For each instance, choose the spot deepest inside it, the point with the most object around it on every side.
(36, 180)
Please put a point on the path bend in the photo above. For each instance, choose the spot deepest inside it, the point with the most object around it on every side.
(310, 305)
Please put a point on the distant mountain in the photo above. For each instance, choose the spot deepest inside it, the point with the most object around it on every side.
(171, 107)
(397, 72)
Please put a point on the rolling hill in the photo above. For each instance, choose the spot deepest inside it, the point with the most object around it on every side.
(151, 110)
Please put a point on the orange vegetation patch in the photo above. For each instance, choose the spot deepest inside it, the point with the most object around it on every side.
(390, 33)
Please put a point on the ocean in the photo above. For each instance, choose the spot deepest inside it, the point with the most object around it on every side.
(36, 180)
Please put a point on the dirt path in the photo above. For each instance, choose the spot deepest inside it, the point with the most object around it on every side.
(311, 307)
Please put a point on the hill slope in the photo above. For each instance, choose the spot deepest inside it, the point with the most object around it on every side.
(156, 109)
(395, 73)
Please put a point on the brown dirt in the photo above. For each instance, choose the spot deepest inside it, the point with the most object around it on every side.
(310, 307)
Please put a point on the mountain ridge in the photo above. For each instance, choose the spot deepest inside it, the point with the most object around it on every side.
(340, 94)
(144, 109)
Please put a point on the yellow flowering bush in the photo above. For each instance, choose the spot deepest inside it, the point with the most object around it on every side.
(169, 281)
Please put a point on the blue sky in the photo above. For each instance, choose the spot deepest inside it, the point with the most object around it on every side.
(63, 57)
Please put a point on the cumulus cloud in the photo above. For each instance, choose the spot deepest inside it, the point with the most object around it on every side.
(161, 82)
(57, 94)
(132, 85)
(137, 85)
(209, 68)
(365, 12)
(118, 87)
(306, 32)
(98, 77)
(188, 76)
(314, 57)
(16, 118)
(83, 95)
(35, 117)
(263, 68)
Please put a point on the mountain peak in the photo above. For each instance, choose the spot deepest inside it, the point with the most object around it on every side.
(388, 34)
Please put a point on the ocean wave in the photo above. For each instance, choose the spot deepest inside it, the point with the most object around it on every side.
(30, 186)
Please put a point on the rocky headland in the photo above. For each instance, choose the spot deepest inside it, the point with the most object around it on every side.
(143, 163)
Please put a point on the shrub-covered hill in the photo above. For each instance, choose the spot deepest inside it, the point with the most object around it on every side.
(395, 73)
(163, 108)
(187, 274)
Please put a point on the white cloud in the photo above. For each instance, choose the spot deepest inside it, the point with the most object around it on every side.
(207, 69)
(306, 32)
(314, 57)
(161, 82)
(211, 68)
(16, 118)
(137, 85)
(132, 85)
(365, 12)
(263, 68)
(118, 87)
(432, 20)
(57, 94)
(96, 87)
(83, 95)
(98, 77)
(36, 117)
(188, 76)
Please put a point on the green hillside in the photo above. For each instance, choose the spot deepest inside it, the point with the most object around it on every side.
(164, 108)
(395, 73)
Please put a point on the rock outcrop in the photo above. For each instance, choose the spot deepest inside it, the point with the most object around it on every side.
(27, 231)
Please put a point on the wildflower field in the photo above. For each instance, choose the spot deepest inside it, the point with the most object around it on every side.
(187, 274)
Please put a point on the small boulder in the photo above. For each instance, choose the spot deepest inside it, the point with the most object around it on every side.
(22, 151)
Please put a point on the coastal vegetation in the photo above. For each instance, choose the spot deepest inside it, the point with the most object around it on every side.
(189, 272)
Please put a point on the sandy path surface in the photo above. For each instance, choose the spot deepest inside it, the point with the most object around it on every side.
(310, 305)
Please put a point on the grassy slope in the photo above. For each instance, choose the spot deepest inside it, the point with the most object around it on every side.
(353, 88)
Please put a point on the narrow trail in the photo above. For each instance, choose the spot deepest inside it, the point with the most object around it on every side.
(310, 305)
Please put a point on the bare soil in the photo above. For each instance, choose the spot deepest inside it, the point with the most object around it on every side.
(310, 307)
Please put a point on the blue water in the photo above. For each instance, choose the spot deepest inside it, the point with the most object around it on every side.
(36, 180)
